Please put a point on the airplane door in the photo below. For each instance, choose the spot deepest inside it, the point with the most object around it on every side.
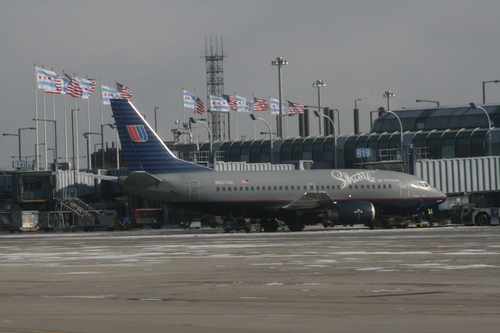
(194, 190)
(404, 187)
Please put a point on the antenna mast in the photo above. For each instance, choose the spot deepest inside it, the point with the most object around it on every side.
(215, 86)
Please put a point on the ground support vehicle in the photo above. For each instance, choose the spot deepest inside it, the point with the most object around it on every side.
(468, 214)
(237, 224)
(25, 221)
(147, 217)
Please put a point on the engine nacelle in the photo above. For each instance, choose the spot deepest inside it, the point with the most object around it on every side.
(354, 212)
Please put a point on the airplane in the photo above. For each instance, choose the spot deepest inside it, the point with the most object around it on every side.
(296, 197)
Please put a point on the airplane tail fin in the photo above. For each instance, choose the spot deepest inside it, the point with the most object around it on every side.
(142, 148)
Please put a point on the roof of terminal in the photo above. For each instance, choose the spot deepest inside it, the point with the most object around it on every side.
(437, 118)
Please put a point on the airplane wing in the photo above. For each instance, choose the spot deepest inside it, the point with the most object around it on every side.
(311, 201)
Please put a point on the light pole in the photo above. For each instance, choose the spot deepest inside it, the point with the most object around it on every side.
(112, 126)
(427, 101)
(194, 121)
(318, 84)
(55, 139)
(356, 116)
(270, 134)
(19, 137)
(279, 123)
(319, 115)
(388, 94)
(401, 131)
(474, 106)
(484, 94)
(75, 154)
(87, 135)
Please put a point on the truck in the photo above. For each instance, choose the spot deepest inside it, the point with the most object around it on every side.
(469, 214)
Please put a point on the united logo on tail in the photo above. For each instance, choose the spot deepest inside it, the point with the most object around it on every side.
(137, 133)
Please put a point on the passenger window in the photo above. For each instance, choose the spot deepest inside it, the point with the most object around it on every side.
(218, 189)
(286, 188)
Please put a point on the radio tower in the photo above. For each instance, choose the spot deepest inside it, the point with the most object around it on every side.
(215, 86)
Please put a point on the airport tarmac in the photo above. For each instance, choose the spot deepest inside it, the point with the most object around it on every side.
(443, 279)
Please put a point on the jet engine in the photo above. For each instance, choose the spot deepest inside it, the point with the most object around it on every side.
(354, 212)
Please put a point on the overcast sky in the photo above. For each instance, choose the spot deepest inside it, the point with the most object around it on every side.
(436, 50)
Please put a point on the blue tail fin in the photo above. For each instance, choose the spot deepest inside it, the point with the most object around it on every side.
(142, 148)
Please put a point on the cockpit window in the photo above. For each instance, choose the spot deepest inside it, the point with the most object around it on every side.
(420, 184)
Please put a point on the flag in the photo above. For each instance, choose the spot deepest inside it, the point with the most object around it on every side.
(125, 92)
(244, 105)
(189, 99)
(88, 86)
(260, 104)
(275, 106)
(295, 108)
(47, 80)
(64, 83)
(108, 94)
(74, 88)
(200, 106)
(232, 102)
(219, 104)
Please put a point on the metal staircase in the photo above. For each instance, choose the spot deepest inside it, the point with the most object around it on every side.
(67, 201)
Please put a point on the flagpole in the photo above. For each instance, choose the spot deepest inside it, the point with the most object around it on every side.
(196, 135)
(45, 130)
(77, 157)
(36, 117)
(236, 118)
(270, 115)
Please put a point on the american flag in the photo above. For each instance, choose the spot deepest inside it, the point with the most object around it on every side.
(74, 88)
(295, 108)
(232, 102)
(260, 104)
(200, 106)
(245, 181)
(125, 92)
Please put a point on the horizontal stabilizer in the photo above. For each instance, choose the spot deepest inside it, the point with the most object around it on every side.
(142, 178)
(103, 177)
(311, 201)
